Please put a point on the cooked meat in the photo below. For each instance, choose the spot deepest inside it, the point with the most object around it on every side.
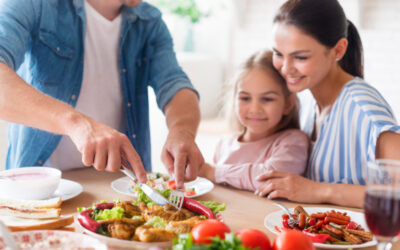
(150, 234)
(299, 209)
(121, 230)
(184, 226)
(353, 239)
(188, 213)
(364, 236)
(130, 209)
(167, 214)
(169, 207)
(142, 206)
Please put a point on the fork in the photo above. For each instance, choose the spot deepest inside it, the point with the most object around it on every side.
(292, 222)
(176, 199)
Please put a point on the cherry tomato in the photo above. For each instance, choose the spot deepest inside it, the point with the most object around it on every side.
(207, 229)
(171, 184)
(292, 240)
(253, 238)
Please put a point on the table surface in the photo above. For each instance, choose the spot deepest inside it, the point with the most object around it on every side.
(243, 208)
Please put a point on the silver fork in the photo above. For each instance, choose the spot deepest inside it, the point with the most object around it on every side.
(292, 222)
(176, 199)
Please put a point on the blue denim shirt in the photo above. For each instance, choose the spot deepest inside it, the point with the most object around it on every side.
(43, 40)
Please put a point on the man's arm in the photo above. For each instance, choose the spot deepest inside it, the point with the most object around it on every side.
(180, 154)
(100, 145)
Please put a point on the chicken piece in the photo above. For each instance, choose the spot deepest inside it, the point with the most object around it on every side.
(363, 235)
(148, 233)
(142, 206)
(169, 207)
(130, 209)
(353, 239)
(177, 216)
(184, 226)
(189, 214)
(122, 228)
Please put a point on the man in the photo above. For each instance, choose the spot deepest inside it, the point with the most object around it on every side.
(80, 96)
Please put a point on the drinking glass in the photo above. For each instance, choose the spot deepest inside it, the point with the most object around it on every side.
(382, 201)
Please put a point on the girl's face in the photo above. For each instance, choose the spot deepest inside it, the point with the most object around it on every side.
(302, 60)
(260, 104)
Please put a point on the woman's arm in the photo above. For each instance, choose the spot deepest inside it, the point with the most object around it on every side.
(387, 146)
(299, 189)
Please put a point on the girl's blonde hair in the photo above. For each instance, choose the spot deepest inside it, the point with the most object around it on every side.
(260, 60)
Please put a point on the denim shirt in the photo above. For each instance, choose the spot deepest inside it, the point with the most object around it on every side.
(43, 41)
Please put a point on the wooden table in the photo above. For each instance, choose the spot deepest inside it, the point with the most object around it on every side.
(243, 209)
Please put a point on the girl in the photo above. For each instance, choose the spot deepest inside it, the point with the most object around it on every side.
(317, 48)
(266, 118)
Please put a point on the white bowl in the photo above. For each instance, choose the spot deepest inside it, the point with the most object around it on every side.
(29, 183)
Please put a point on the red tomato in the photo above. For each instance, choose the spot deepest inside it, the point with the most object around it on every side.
(253, 238)
(202, 232)
(292, 240)
(171, 184)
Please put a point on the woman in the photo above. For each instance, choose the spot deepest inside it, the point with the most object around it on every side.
(317, 48)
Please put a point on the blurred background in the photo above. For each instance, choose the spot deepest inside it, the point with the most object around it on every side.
(213, 37)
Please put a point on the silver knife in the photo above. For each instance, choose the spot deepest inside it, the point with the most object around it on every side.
(7, 237)
(153, 194)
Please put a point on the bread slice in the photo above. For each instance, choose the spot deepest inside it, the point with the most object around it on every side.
(30, 213)
(20, 224)
(49, 203)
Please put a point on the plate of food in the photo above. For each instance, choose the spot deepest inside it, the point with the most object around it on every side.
(161, 181)
(53, 239)
(329, 228)
(141, 224)
(19, 215)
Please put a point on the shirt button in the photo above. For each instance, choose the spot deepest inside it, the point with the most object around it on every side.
(129, 104)
(134, 136)
(73, 97)
(58, 48)
(123, 70)
(40, 162)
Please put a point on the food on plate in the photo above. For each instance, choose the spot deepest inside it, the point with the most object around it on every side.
(217, 235)
(144, 221)
(329, 227)
(292, 240)
(19, 215)
(162, 182)
(31, 209)
(253, 238)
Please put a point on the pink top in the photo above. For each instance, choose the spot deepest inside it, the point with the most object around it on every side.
(239, 163)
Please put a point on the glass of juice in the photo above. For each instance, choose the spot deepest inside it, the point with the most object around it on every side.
(382, 201)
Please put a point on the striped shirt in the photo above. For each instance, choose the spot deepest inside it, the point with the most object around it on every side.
(347, 136)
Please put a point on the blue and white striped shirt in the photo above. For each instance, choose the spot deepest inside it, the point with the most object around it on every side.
(348, 134)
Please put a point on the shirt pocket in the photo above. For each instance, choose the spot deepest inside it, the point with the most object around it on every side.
(53, 57)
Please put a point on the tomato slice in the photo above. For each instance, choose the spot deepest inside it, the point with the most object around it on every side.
(190, 193)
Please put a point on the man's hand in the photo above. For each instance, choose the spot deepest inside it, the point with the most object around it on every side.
(181, 156)
(102, 147)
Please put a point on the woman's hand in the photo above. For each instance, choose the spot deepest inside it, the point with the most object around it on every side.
(103, 147)
(290, 186)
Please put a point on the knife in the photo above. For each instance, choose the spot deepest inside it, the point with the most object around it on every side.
(7, 237)
(153, 194)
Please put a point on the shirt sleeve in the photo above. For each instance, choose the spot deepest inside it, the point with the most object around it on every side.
(166, 77)
(17, 19)
(289, 155)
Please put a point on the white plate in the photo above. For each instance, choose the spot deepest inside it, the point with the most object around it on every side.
(74, 240)
(126, 244)
(67, 189)
(201, 186)
(275, 219)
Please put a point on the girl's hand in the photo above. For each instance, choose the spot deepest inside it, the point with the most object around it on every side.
(290, 186)
(207, 171)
